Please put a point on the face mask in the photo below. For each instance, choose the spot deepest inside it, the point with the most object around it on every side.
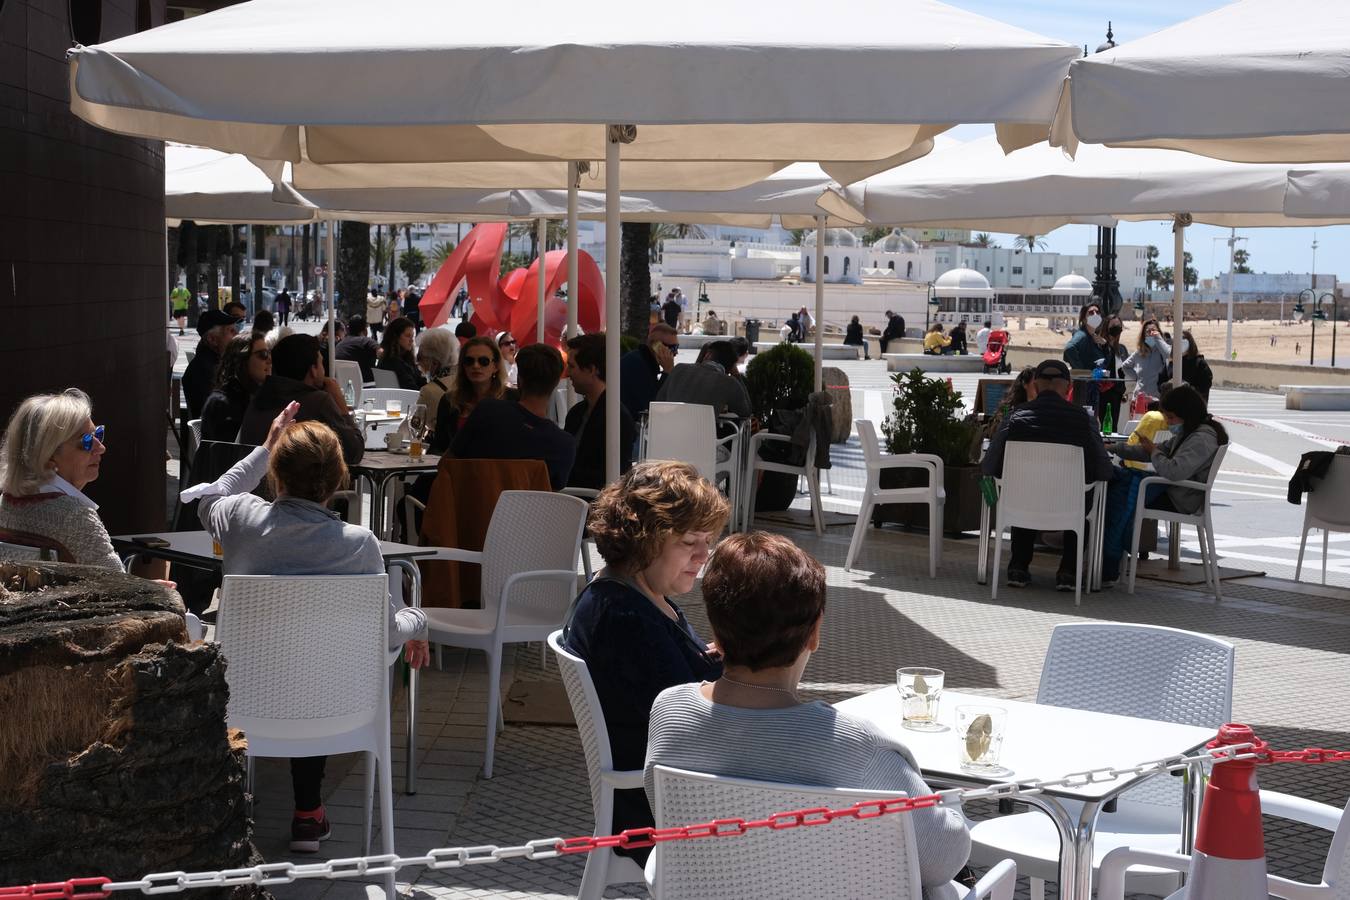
(1152, 341)
(1175, 429)
(1094, 321)
(1185, 346)
(1115, 330)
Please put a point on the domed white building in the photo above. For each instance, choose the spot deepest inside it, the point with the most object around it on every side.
(1072, 285)
(962, 294)
(849, 261)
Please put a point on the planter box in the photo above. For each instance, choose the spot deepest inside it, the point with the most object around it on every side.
(961, 512)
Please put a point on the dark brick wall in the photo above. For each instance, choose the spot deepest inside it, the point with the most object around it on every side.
(82, 255)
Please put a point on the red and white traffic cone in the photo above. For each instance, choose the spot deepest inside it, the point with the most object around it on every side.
(1229, 862)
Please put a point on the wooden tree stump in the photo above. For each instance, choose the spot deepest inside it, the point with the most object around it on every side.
(114, 755)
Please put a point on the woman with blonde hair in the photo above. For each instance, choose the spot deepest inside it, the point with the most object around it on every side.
(52, 450)
(654, 527)
(297, 534)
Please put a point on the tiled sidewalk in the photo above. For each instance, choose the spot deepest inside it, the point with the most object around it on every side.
(1292, 650)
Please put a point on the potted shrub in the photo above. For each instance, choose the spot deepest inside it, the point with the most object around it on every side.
(925, 420)
(779, 381)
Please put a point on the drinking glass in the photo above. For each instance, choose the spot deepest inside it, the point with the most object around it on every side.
(216, 549)
(394, 408)
(979, 734)
(920, 690)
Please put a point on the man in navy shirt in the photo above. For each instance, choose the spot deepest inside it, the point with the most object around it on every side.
(507, 429)
(1050, 419)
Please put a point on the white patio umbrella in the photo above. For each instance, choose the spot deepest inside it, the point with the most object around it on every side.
(1036, 189)
(1255, 81)
(700, 81)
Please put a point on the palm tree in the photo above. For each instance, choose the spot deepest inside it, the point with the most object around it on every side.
(984, 239)
(1164, 278)
(1241, 258)
(796, 236)
(353, 266)
(872, 235)
(1152, 271)
(382, 250)
(440, 251)
(635, 277)
(1028, 242)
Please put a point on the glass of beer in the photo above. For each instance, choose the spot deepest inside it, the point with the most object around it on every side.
(393, 408)
(920, 691)
(216, 549)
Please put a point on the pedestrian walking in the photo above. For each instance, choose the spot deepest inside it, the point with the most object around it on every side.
(283, 306)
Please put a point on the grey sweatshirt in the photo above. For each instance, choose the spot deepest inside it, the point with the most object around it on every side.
(290, 536)
(1181, 460)
(1148, 368)
(812, 744)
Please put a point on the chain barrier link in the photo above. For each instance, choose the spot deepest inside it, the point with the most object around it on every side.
(634, 838)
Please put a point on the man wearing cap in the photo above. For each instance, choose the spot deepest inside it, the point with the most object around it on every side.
(216, 328)
(1050, 419)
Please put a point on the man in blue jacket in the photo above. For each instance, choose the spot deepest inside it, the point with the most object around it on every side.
(641, 370)
(1050, 419)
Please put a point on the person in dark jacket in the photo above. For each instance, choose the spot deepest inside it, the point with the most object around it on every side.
(297, 374)
(1086, 347)
(412, 308)
(244, 367)
(359, 347)
(853, 337)
(655, 528)
(216, 329)
(1194, 370)
(641, 370)
(283, 306)
(586, 420)
(958, 336)
(1049, 418)
(712, 382)
(894, 331)
(396, 354)
(670, 311)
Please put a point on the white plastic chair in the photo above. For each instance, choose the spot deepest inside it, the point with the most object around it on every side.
(1327, 507)
(309, 672)
(806, 470)
(385, 378)
(1202, 521)
(603, 867)
(1037, 491)
(345, 370)
(1145, 671)
(878, 856)
(558, 403)
(589, 495)
(932, 494)
(1335, 883)
(687, 432)
(382, 394)
(529, 577)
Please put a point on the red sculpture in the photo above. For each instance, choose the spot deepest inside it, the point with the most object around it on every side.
(511, 303)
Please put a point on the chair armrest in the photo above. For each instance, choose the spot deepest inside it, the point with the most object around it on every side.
(452, 554)
(1297, 809)
(582, 492)
(1295, 890)
(997, 884)
(769, 436)
(622, 779)
(1111, 874)
(566, 576)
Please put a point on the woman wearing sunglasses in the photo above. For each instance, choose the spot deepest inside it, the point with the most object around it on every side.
(51, 451)
(478, 377)
(508, 347)
(245, 365)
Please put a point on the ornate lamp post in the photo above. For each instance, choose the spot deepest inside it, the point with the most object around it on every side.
(1319, 314)
(1299, 309)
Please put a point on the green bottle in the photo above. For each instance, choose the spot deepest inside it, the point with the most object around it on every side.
(1108, 425)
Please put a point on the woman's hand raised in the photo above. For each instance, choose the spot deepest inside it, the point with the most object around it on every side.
(284, 418)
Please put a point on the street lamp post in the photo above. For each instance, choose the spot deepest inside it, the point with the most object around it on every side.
(1318, 314)
(1299, 309)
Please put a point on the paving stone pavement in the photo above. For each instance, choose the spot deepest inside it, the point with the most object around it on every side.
(887, 613)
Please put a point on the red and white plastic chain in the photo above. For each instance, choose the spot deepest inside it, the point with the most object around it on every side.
(548, 848)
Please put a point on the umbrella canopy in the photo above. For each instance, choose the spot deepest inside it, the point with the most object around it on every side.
(1255, 81)
(215, 188)
(1038, 189)
(702, 80)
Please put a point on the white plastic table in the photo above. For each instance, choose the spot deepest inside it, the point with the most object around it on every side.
(193, 548)
(1047, 742)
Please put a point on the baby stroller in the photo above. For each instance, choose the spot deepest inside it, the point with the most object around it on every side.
(996, 353)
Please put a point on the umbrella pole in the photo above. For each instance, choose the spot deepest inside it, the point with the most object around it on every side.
(820, 300)
(541, 236)
(1178, 291)
(573, 292)
(329, 273)
(612, 324)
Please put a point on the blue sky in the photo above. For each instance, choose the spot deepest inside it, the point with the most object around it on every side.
(1084, 22)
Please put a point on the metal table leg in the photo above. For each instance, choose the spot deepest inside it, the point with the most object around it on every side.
(982, 564)
(1193, 793)
(1072, 842)
(410, 767)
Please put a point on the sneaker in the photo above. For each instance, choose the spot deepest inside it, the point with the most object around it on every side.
(307, 833)
(1018, 578)
(1064, 581)
(1110, 581)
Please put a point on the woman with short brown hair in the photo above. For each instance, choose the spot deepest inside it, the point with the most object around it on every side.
(654, 527)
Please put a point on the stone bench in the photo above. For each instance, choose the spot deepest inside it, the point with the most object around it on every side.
(827, 351)
(1316, 396)
(903, 362)
(698, 341)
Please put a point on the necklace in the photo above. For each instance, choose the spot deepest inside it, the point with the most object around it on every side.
(759, 687)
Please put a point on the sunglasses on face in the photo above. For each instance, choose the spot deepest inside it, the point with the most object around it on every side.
(673, 348)
(508, 343)
(87, 440)
(483, 361)
(262, 354)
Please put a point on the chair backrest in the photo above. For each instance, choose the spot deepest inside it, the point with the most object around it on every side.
(685, 432)
(195, 426)
(515, 542)
(867, 436)
(18, 552)
(1215, 465)
(1337, 870)
(380, 394)
(1144, 671)
(586, 709)
(1037, 486)
(1329, 500)
(345, 370)
(307, 657)
(385, 378)
(882, 860)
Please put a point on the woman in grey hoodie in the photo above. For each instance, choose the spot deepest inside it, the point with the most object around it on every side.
(1196, 437)
(1149, 360)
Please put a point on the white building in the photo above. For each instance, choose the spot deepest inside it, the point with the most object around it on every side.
(1013, 271)
(895, 257)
